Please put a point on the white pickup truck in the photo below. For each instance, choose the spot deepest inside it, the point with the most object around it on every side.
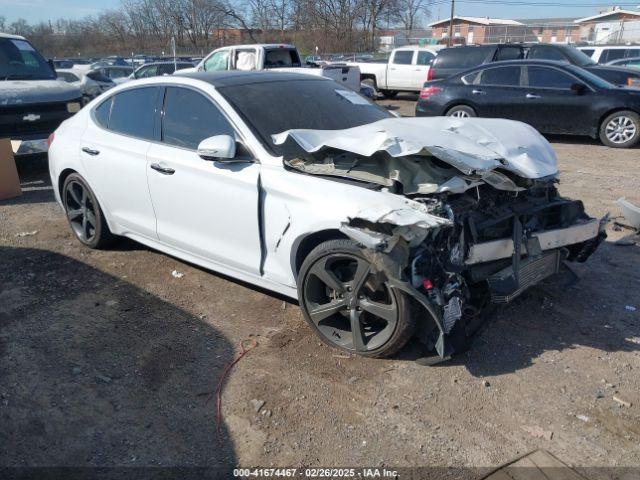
(405, 71)
(278, 57)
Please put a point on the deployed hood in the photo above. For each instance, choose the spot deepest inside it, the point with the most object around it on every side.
(476, 147)
(23, 92)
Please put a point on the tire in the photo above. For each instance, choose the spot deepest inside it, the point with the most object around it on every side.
(389, 94)
(82, 209)
(333, 297)
(461, 111)
(620, 129)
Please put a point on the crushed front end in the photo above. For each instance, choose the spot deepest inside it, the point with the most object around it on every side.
(483, 220)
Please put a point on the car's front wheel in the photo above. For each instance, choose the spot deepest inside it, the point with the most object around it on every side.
(621, 129)
(348, 306)
(84, 213)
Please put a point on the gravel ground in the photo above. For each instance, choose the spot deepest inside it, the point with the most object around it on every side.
(106, 359)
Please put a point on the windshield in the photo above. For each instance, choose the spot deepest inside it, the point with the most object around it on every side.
(20, 61)
(577, 57)
(594, 79)
(273, 107)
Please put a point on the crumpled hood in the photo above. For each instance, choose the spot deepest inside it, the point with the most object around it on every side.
(22, 92)
(472, 145)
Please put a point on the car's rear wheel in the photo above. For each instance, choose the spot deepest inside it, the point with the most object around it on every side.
(84, 213)
(621, 129)
(389, 93)
(349, 307)
(461, 111)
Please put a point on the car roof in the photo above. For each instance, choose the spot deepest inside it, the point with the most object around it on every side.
(260, 45)
(9, 35)
(223, 79)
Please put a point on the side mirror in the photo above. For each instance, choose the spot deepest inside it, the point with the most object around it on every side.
(578, 88)
(218, 147)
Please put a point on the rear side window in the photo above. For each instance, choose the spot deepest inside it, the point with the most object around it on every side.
(610, 54)
(190, 117)
(281, 57)
(544, 52)
(403, 57)
(509, 53)
(133, 111)
(544, 77)
(502, 76)
(463, 57)
(425, 58)
(102, 111)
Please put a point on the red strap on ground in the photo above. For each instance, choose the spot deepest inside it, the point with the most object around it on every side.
(243, 351)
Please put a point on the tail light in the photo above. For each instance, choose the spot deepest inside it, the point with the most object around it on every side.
(430, 74)
(427, 92)
(50, 139)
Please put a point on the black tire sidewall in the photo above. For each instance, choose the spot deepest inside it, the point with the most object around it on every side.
(628, 144)
(102, 233)
(406, 322)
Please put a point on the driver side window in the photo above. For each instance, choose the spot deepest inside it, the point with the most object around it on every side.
(189, 117)
(218, 61)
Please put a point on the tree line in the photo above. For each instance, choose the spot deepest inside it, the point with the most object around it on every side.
(147, 26)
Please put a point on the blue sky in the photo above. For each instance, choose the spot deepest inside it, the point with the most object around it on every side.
(37, 10)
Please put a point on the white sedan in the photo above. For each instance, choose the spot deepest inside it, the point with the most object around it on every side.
(379, 226)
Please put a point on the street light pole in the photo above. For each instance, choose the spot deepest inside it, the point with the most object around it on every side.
(453, 3)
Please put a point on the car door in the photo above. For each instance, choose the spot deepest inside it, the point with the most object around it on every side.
(423, 62)
(495, 91)
(203, 207)
(400, 70)
(551, 104)
(114, 155)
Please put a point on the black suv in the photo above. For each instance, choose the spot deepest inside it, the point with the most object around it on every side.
(458, 59)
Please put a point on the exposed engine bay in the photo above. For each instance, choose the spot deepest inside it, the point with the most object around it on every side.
(483, 220)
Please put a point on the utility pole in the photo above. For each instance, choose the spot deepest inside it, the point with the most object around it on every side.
(453, 3)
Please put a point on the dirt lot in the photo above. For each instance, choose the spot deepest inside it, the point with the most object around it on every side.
(106, 359)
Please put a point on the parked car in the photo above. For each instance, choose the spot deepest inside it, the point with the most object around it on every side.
(378, 225)
(275, 57)
(405, 71)
(89, 87)
(553, 97)
(59, 63)
(607, 53)
(32, 101)
(117, 74)
(632, 62)
(451, 61)
(99, 77)
(160, 68)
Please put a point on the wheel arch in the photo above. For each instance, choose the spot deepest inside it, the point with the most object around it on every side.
(369, 76)
(306, 244)
(63, 176)
(612, 111)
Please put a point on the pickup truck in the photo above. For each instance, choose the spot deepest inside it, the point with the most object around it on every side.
(33, 102)
(274, 57)
(405, 71)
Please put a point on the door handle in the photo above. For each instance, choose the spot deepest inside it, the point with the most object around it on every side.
(164, 170)
(90, 151)
(532, 96)
(478, 92)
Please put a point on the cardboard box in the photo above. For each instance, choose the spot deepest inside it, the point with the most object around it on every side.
(9, 180)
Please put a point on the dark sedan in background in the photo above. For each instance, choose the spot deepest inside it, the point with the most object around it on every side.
(454, 60)
(553, 97)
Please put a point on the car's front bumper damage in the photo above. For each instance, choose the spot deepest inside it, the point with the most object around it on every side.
(483, 220)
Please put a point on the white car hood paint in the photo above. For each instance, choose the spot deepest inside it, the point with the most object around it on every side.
(473, 145)
(20, 92)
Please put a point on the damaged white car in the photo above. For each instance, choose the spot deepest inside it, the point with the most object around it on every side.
(381, 227)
